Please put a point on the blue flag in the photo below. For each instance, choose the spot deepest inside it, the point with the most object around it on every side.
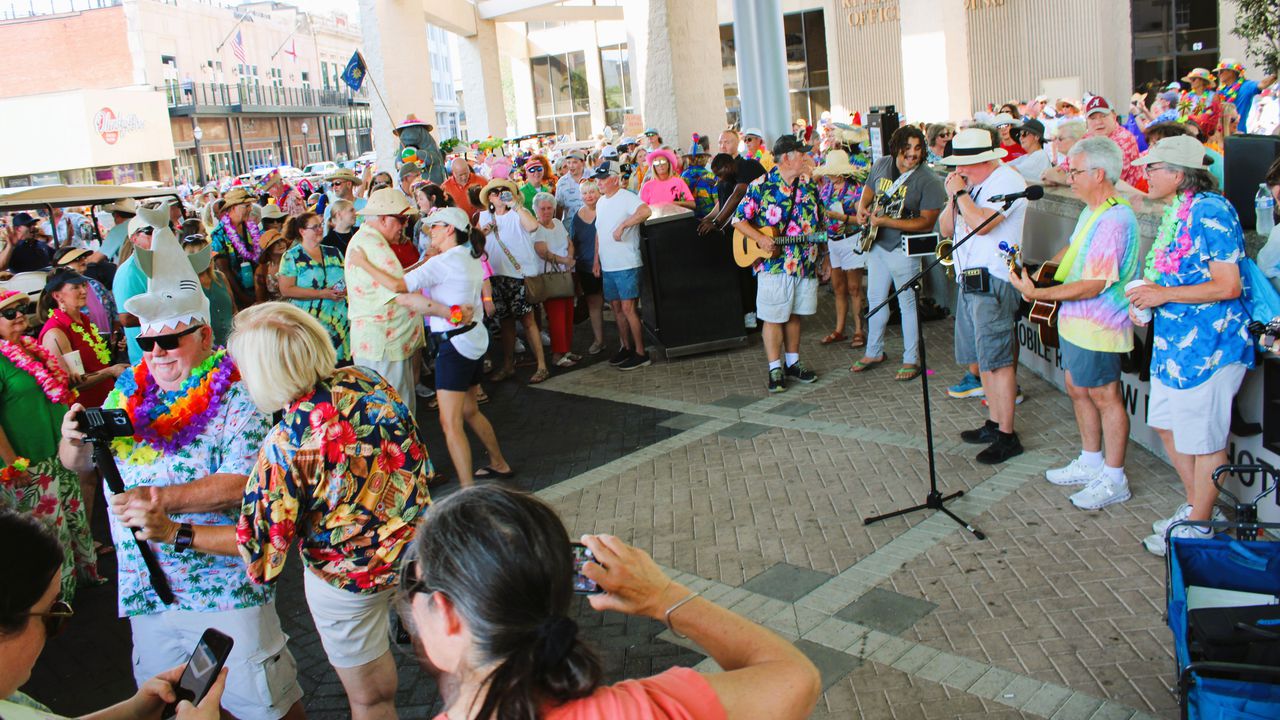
(353, 75)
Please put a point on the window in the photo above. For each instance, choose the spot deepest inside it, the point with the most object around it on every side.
(1172, 37)
(616, 66)
(560, 94)
(807, 77)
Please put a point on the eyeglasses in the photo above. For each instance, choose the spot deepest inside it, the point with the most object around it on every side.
(313, 227)
(166, 342)
(1073, 173)
(57, 617)
(410, 579)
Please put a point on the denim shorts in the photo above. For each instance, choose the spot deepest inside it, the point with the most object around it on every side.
(985, 324)
(621, 284)
(455, 371)
(1089, 368)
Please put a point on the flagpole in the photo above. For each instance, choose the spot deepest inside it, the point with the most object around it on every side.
(286, 41)
(239, 21)
(369, 75)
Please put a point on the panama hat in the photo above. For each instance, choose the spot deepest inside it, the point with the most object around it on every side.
(387, 201)
(345, 174)
(1004, 119)
(1200, 73)
(497, 184)
(1181, 150)
(234, 196)
(269, 238)
(13, 297)
(271, 211)
(972, 146)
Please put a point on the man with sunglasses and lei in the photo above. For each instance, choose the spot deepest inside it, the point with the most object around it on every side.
(1235, 89)
(196, 438)
(236, 243)
(1201, 347)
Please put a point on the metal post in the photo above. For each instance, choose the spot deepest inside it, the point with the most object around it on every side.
(197, 132)
(761, 54)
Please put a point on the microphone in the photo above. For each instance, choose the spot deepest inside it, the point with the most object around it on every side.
(1033, 192)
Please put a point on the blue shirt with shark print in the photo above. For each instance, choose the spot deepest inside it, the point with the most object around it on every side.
(1192, 341)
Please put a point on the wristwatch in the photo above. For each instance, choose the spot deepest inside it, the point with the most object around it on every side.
(186, 535)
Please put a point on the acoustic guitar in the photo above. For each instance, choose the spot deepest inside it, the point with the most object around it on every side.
(746, 253)
(1043, 313)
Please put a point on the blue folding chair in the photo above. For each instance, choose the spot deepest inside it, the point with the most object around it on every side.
(1223, 690)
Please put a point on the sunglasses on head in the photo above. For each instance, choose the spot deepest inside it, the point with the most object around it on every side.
(57, 617)
(166, 342)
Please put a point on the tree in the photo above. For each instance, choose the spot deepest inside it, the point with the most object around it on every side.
(1258, 24)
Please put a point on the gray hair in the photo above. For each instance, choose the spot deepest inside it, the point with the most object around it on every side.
(1196, 180)
(1070, 130)
(1098, 153)
(544, 197)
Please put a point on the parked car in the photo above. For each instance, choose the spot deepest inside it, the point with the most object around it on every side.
(318, 171)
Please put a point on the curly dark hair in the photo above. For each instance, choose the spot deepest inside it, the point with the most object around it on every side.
(900, 139)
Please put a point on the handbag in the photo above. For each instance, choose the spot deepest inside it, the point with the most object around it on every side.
(540, 288)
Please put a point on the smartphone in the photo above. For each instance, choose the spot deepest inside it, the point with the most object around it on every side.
(202, 669)
(506, 196)
(583, 585)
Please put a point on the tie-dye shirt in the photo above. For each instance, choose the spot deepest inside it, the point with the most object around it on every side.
(1109, 253)
(703, 184)
(1191, 341)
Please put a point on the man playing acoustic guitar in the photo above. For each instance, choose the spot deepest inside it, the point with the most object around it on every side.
(1094, 330)
(788, 279)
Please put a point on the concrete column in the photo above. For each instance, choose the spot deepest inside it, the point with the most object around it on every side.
(482, 82)
(595, 81)
(762, 66)
(935, 59)
(395, 48)
(515, 42)
(674, 48)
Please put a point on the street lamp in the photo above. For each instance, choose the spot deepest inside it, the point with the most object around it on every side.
(306, 148)
(197, 132)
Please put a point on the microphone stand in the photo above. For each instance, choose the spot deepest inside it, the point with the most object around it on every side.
(935, 499)
(106, 463)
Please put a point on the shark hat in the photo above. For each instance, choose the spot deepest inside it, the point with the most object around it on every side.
(174, 295)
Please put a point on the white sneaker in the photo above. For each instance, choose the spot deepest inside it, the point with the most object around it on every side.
(1184, 511)
(520, 346)
(1155, 543)
(1076, 473)
(1101, 493)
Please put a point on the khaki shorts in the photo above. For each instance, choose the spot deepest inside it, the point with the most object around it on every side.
(1199, 417)
(353, 628)
(779, 296)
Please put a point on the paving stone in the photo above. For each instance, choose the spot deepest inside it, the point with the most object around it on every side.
(832, 664)
(886, 611)
(737, 402)
(745, 431)
(786, 582)
(794, 409)
(683, 421)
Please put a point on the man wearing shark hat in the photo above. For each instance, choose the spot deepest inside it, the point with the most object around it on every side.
(197, 435)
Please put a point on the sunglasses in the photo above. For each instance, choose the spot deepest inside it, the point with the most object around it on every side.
(13, 313)
(56, 619)
(167, 342)
(147, 230)
(535, 169)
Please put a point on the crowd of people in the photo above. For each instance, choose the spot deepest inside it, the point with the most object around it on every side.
(269, 346)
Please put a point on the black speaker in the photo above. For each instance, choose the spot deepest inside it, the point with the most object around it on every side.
(882, 121)
(1247, 159)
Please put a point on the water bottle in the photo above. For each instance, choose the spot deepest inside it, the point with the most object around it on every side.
(1264, 208)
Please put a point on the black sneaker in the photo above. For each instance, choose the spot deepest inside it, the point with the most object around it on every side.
(620, 356)
(984, 435)
(1006, 446)
(777, 380)
(801, 373)
(634, 362)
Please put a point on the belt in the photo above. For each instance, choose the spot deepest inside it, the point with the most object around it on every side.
(442, 336)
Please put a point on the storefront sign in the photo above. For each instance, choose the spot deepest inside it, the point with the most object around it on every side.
(870, 12)
(111, 127)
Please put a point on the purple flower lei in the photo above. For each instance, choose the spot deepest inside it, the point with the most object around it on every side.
(220, 380)
(233, 237)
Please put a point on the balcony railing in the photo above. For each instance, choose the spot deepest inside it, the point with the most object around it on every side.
(186, 97)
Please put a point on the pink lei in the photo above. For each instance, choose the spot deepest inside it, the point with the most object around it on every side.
(233, 237)
(33, 359)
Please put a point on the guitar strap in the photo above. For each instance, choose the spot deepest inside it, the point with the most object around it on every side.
(1077, 240)
(893, 189)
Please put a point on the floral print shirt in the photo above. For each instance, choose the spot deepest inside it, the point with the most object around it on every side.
(791, 209)
(200, 582)
(380, 328)
(241, 267)
(1191, 341)
(847, 197)
(702, 183)
(345, 472)
(311, 274)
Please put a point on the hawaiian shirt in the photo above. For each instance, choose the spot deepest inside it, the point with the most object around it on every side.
(793, 209)
(312, 274)
(200, 582)
(381, 329)
(847, 197)
(1130, 173)
(344, 470)
(241, 268)
(1192, 341)
(702, 183)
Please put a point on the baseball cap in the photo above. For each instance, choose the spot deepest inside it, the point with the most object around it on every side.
(408, 169)
(626, 140)
(1097, 104)
(605, 169)
(23, 219)
(609, 151)
(450, 216)
(789, 143)
(650, 131)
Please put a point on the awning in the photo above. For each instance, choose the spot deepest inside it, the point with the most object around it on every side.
(43, 196)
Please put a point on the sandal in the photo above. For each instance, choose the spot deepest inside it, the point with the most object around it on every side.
(859, 340)
(501, 375)
(540, 376)
(434, 403)
(567, 361)
(481, 397)
(861, 364)
(907, 372)
(834, 337)
(488, 472)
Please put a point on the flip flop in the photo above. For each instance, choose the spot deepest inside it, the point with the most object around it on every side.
(860, 366)
(834, 337)
(859, 340)
(907, 372)
(488, 472)
(540, 376)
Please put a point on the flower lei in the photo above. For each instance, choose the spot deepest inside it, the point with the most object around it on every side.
(1173, 240)
(233, 237)
(91, 336)
(165, 426)
(33, 359)
(1231, 93)
(9, 474)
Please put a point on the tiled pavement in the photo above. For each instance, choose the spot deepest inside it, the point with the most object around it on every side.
(759, 501)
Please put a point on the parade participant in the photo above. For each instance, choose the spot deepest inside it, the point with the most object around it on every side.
(700, 179)
(1201, 347)
(665, 186)
(343, 471)
(653, 138)
(753, 144)
(582, 233)
(410, 174)
(26, 250)
(312, 277)
(454, 278)
(341, 225)
(68, 334)
(100, 306)
(1201, 104)
(196, 437)
(619, 214)
(839, 192)
(342, 186)
(568, 192)
(1004, 123)
(1235, 89)
(34, 393)
(938, 135)
(1066, 135)
(1102, 122)
(275, 191)
(385, 337)
(788, 280)
(552, 244)
(538, 179)
(217, 287)
(986, 316)
(461, 178)
(266, 284)
(897, 180)
(1035, 160)
(506, 646)
(236, 244)
(1094, 330)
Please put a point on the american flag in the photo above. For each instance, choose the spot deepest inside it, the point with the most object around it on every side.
(237, 49)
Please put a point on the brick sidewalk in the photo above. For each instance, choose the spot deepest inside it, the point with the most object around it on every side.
(759, 501)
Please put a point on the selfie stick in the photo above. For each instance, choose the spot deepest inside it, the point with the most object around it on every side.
(106, 463)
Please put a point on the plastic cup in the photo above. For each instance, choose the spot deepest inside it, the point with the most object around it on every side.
(1142, 314)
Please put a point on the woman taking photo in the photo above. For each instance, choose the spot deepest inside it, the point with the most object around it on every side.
(502, 644)
(582, 233)
(312, 277)
(507, 227)
(34, 394)
(551, 242)
(538, 179)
